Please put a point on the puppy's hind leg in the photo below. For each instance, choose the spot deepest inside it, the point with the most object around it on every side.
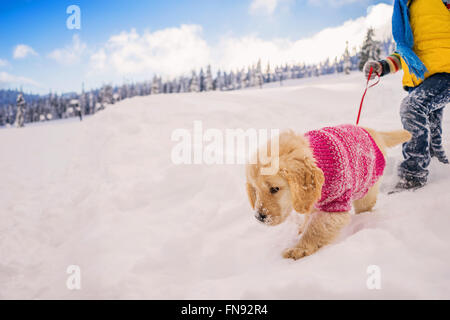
(304, 223)
(321, 229)
(367, 202)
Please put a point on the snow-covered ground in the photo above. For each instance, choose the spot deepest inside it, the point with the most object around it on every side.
(104, 194)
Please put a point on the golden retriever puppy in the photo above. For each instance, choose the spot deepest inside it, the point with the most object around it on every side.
(321, 174)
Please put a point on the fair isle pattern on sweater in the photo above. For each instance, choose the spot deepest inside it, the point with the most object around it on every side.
(351, 163)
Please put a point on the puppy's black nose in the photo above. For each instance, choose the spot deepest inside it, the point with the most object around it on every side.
(261, 216)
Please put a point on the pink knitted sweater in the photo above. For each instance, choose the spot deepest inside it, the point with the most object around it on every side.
(351, 162)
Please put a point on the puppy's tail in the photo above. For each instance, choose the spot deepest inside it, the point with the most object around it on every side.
(393, 138)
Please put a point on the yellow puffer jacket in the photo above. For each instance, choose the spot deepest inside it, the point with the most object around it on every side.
(430, 24)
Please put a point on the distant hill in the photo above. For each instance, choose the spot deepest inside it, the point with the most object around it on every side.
(9, 97)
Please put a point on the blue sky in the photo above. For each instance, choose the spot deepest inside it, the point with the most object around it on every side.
(53, 57)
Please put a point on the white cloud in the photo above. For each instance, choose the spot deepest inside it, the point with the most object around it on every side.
(22, 51)
(266, 7)
(170, 52)
(70, 54)
(3, 63)
(175, 51)
(8, 80)
(328, 43)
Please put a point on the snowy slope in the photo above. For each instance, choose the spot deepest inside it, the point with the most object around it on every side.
(103, 194)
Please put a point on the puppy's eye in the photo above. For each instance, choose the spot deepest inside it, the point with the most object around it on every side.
(274, 190)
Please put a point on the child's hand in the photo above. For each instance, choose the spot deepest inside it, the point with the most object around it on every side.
(377, 69)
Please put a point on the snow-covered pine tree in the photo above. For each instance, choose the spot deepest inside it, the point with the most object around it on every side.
(325, 67)
(226, 81)
(258, 75)
(219, 81)
(174, 86)
(20, 115)
(243, 78)
(2, 116)
(107, 91)
(53, 106)
(122, 92)
(182, 85)
(335, 68)
(354, 59)
(277, 75)
(239, 79)
(268, 73)
(371, 49)
(316, 71)
(83, 100)
(194, 86)
(287, 72)
(232, 81)
(91, 103)
(155, 85)
(201, 80)
(208, 79)
(250, 77)
(347, 62)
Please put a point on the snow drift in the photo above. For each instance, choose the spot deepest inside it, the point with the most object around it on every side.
(104, 194)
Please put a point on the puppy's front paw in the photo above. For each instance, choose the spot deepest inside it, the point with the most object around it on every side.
(299, 252)
(294, 253)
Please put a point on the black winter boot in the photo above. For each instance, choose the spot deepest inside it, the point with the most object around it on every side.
(408, 184)
(439, 154)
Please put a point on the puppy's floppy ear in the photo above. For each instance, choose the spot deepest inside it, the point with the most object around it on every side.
(251, 195)
(305, 181)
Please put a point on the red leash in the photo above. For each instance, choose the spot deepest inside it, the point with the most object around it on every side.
(365, 91)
